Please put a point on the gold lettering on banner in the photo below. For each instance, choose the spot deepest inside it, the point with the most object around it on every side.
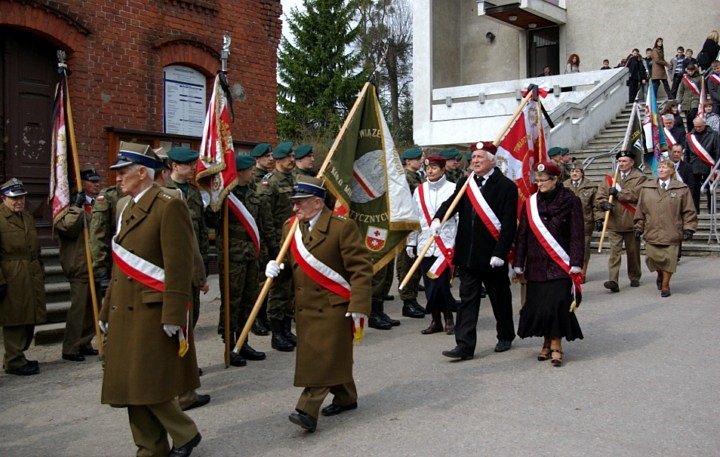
(369, 218)
(370, 133)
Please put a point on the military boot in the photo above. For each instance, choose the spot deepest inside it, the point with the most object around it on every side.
(278, 340)
(259, 328)
(287, 331)
(376, 319)
(411, 308)
(385, 317)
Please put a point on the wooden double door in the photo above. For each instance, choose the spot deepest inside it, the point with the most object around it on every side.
(28, 75)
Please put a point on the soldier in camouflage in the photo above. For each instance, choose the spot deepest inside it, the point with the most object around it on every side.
(244, 257)
(277, 187)
(453, 171)
(411, 308)
(102, 229)
(183, 163)
(264, 161)
(304, 161)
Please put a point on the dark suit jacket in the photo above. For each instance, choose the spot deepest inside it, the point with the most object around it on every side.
(474, 245)
(684, 171)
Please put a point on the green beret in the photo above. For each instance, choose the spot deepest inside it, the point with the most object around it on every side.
(450, 153)
(282, 150)
(243, 162)
(302, 151)
(183, 155)
(412, 153)
(468, 156)
(557, 151)
(260, 150)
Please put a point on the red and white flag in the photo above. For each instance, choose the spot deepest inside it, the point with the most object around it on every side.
(59, 183)
(703, 100)
(216, 172)
(699, 150)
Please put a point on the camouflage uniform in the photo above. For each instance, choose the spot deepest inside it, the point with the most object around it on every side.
(102, 229)
(244, 260)
(300, 172)
(277, 188)
(454, 175)
(197, 214)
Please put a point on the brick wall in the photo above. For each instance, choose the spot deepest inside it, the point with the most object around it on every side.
(117, 50)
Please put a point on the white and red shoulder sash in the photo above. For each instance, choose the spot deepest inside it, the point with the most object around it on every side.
(628, 206)
(699, 150)
(551, 246)
(670, 138)
(482, 208)
(248, 222)
(315, 269)
(691, 85)
(714, 77)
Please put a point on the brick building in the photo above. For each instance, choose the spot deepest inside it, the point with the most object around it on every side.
(125, 56)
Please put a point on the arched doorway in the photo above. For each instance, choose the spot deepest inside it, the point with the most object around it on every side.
(27, 83)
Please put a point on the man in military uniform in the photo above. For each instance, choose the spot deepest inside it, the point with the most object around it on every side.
(277, 187)
(561, 156)
(102, 229)
(183, 162)
(245, 248)
(144, 314)
(620, 228)
(453, 172)
(411, 308)
(586, 191)
(80, 319)
(304, 161)
(326, 312)
(22, 288)
(264, 161)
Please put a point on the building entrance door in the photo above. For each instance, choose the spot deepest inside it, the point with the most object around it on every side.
(544, 50)
(27, 83)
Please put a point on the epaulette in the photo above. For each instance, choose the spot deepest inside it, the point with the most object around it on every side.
(340, 216)
(165, 196)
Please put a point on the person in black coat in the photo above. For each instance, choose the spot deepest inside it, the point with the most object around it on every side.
(709, 50)
(558, 216)
(482, 259)
(637, 76)
(710, 141)
(683, 170)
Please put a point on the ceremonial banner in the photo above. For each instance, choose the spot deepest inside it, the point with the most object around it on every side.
(364, 173)
(59, 183)
(216, 173)
(656, 134)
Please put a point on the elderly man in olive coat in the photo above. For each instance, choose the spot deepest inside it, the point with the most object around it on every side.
(146, 311)
(332, 275)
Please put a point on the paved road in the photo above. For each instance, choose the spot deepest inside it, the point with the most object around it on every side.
(643, 382)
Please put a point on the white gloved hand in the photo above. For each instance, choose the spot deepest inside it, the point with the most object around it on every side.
(519, 270)
(272, 270)
(435, 226)
(356, 317)
(575, 270)
(103, 326)
(410, 250)
(496, 262)
(171, 329)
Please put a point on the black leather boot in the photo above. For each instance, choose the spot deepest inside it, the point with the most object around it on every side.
(278, 340)
(287, 331)
(376, 319)
(259, 328)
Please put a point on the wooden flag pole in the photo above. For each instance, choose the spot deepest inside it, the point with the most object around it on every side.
(607, 214)
(78, 183)
(458, 197)
(226, 281)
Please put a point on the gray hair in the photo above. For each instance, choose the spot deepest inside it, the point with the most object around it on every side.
(150, 171)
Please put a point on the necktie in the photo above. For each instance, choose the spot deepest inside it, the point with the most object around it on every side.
(623, 177)
(575, 183)
(479, 181)
(664, 186)
(305, 230)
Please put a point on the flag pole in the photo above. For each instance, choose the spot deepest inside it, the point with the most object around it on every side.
(78, 183)
(458, 197)
(633, 114)
(286, 242)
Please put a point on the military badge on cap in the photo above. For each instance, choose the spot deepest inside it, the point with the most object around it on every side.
(308, 186)
(134, 153)
(13, 188)
(88, 173)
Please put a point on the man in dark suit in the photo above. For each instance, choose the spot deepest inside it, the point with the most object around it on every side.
(332, 277)
(486, 230)
(683, 170)
(147, 364)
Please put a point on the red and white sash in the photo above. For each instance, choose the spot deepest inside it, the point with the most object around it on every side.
(699, 150)
(690, 85)
(482, 208)
(444, 260)
(550, 244)
(316, 269)
(715, 78)
(246, 219)
(628, 206)
(670, 138)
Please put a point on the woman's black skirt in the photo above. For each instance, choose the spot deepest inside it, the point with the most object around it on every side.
(547, 311)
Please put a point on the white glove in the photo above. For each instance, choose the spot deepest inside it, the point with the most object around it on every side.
(171, 329)
(103, 326)
(272, 270)
(496, 262)
(356, 317)
(410, 250)
(519, 270)
(435, 226)
(575, 270)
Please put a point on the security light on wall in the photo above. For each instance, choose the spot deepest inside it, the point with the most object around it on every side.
(490, 36)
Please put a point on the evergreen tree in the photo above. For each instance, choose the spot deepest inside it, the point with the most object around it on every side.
(320, 76)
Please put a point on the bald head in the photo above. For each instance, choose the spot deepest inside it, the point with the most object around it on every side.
(699, 124)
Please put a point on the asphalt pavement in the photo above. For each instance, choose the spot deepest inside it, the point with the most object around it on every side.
(645, 381)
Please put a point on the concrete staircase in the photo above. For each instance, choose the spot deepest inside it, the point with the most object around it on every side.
(603, 143)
